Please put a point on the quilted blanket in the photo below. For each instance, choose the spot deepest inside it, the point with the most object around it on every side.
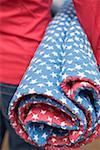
(57, 104)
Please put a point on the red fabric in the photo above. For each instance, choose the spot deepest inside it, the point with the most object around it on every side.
(88, 12)
(22, 25)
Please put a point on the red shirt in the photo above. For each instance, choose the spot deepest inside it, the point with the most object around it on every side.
(22, 26)
(88, 12)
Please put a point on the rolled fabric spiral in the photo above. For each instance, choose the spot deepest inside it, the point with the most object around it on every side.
(57, 104)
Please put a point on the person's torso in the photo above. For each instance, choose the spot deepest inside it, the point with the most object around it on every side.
(22, 25)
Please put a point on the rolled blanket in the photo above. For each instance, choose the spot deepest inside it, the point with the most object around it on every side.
(56, 105)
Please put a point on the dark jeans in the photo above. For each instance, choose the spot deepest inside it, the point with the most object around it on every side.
(15, 142)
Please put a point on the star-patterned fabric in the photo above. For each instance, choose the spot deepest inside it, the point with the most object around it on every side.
(57, 104)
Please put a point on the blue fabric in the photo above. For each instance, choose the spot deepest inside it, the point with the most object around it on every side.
(65, 52)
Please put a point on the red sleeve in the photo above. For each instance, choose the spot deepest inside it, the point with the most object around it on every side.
(88, 12)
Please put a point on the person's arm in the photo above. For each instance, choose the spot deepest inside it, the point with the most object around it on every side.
(88, 12)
